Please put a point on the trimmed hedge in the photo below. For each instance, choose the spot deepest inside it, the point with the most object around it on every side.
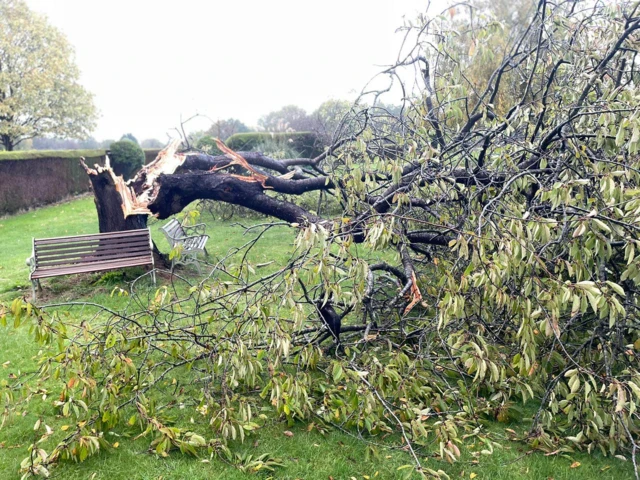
(38, 178)
(306, 144)
(36, 154)
(208, 145)
(30, 178)
(126, 158)
(150, 154)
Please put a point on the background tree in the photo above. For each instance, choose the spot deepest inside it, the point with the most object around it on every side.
(47, 143)
(106, 143)
(288, 119)
(152, 143)
(223, 129)
(39, 90)
(481, 32)
(327, 119)
(130, 137)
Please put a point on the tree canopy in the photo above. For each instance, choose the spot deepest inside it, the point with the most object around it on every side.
(39, 90)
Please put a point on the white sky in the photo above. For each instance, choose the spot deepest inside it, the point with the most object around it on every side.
(150, 62)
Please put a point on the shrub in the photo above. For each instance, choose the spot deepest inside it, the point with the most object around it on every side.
(306, 143)
(126, 158)
(277, 148)
(208, 145)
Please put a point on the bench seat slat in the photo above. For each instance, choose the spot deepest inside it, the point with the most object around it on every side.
(92, 267)
(94, 258)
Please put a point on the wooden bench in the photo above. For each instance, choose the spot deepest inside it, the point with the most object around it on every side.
(190, 239)
(53, 257)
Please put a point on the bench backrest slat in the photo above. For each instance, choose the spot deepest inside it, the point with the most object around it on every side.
(44, 250)
(100, 236)
(173, 231)
(83, 250)
(86, 249)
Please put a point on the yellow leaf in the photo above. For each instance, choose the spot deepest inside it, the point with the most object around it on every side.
(473, 475)
(116, 445)
(472, 48)
(575, 464)
(64, 428)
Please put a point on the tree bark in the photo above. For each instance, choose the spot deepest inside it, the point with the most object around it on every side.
(108, 202)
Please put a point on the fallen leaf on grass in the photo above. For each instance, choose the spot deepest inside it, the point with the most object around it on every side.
(473, 475)
(64, 428)
(288, 433)
(575, 464)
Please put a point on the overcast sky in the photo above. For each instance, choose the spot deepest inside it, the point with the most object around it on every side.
(150, 62)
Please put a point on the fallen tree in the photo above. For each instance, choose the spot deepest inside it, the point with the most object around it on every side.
(485, 256)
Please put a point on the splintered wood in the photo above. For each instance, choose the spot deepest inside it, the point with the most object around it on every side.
(415, 293)
(237, 159)
(167, 162)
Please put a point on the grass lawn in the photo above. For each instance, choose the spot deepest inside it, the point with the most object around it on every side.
(305, 455)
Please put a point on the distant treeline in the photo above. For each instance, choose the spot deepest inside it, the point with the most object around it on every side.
(70, 144)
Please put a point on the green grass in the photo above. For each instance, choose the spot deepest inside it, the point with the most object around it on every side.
(305, 455)
(33, 154)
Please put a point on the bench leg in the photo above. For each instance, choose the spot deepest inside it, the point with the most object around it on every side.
(35, 286)
(205, 252)
(153, 276)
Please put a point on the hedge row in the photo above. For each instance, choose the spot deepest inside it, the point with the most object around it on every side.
(30, 182)
(38, 154)
(29, 179)
(149, 153)
(306, 144)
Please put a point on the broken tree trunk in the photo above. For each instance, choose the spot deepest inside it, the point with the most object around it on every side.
(173, 180)
(121, 205)
(108, 202)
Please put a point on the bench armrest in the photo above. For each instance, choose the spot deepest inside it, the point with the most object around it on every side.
(31, 263)
(198, 228)
(181, 239)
